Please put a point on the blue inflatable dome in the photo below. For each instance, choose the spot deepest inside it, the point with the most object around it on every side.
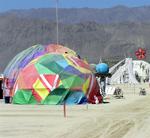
(102, 68)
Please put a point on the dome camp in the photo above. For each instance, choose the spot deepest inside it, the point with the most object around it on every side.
(51, 74)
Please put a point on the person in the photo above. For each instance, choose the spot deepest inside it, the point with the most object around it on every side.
(6, 90)
(1, 90)
(103, 85)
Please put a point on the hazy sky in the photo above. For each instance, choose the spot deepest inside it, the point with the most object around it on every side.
(27, 4)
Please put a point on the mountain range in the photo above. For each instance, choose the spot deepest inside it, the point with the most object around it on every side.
(95, 34)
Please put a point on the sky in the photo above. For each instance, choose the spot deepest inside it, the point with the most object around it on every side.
(6, 5)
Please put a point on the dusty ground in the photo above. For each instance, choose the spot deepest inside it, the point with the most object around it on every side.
(121, 118)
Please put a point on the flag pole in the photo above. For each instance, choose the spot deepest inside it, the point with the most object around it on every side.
(57, 29)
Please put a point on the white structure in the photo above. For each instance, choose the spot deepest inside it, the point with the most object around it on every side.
(129, 71)
(141, 69)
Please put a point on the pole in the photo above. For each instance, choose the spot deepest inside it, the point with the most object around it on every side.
(64, 109)
(57, 31)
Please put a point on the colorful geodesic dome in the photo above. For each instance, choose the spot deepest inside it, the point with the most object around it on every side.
(52, 76)
(26, 56)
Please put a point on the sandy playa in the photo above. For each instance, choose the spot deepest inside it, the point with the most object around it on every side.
(121, 118)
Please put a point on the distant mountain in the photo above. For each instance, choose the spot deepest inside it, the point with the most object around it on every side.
(91, 39)
(116, 14)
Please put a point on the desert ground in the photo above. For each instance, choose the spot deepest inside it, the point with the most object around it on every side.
(120, 118)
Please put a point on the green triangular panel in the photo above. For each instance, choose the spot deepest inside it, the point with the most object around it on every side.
(22, 97)
(46, 58)
(52, 100)
(27, 95)
(56, 97)
(50, 58)
(73, 81)
(33, 100)
(56, 68)
(57, 57)
(43, 70)
(53, 66)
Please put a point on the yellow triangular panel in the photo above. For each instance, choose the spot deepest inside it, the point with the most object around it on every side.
(40, 89)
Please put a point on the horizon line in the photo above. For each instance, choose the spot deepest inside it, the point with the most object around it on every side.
(99, 8)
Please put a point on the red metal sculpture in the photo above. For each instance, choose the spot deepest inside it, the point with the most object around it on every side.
(140, 53)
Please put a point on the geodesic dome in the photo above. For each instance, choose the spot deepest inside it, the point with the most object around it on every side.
(53, 77)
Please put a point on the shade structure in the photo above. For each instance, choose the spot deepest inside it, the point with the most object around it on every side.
(55, 78)
(26, 56)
